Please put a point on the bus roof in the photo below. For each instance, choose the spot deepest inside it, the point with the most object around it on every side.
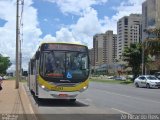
(73, 43)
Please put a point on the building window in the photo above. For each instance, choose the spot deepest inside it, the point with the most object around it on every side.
(126, 21)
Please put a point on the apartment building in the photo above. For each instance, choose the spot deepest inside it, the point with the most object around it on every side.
(128, 31)
(109, 47)
(104, 48)
(150, 16)
(98, 49)
(91, 56)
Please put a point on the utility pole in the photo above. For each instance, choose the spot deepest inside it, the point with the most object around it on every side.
(17, 46)
(143, 65)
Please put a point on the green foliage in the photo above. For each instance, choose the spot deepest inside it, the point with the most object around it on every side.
(133, 55)
(151, 47)
(4, 64)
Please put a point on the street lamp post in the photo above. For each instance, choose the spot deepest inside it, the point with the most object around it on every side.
(143, 59)
(114, 61)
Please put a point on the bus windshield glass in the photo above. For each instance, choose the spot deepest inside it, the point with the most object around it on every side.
(64, 66)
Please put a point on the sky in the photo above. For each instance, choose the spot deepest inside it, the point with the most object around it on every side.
(59, 20)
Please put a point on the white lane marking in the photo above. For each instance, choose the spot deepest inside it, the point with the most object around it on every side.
(89, 100)
(121, 111)
(113, 93)
(143, 89)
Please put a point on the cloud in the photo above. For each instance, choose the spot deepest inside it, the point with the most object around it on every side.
(86, 27)
(48, 38)
(64, 35)
(75, 6)
(88, 23)
(128, 7)
(125, 9)
(31, 31)
(108, 24)
(81, 30)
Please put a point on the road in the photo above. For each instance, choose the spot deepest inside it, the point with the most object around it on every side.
(103, 100)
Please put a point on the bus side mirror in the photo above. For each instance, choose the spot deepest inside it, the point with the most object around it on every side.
(37, 54)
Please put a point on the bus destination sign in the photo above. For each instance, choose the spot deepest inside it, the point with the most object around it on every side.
(66, 47)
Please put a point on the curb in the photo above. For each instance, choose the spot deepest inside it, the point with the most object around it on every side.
(26, 104)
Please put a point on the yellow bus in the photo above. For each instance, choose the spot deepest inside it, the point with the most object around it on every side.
(59, 71)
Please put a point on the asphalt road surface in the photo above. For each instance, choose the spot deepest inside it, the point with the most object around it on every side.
(102, 102)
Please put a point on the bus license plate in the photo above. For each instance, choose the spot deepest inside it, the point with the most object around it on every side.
(57, 88)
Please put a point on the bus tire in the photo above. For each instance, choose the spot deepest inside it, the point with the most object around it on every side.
(72, 100)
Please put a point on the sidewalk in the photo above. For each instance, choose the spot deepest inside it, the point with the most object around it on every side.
(15, 101)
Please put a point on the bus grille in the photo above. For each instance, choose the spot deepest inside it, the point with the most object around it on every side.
(65, 84)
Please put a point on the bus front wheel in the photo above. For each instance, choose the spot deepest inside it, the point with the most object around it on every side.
(72, 100)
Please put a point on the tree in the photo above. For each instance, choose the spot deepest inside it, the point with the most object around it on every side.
(152, 45)
(133, 55)
(4, 64)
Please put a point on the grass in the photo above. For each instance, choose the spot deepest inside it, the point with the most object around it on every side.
(126, 82)
(23, 81)
(11, 78)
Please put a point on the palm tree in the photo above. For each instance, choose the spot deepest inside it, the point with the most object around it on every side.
(133, 55)
(152, 42)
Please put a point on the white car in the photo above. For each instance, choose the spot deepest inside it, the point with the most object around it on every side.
(148, 81)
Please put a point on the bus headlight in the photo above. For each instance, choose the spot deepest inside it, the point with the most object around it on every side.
(84, 88)
(43, 86)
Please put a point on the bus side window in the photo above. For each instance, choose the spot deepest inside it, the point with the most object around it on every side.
(37, 66)
(32, 67)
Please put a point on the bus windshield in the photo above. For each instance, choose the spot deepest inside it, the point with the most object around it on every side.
(64, 66)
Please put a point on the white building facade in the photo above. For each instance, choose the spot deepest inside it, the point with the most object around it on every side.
(128, 31)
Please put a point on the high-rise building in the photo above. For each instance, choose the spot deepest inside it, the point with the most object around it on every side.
(105, 48)
(91, 56)
(150, 20)
(109, 47)
(128, 31)
(98, 49)
(150, 16)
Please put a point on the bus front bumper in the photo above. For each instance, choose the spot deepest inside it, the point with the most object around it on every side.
(43, 93)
